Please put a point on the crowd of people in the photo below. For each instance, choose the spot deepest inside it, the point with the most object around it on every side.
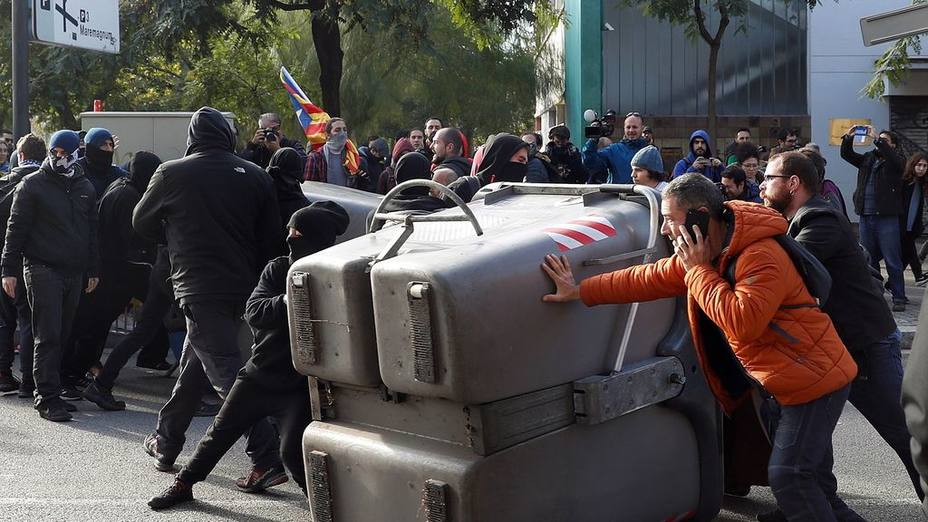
(209, 237)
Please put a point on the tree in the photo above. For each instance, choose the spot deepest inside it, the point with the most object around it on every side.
(691, 14)
(893, 65)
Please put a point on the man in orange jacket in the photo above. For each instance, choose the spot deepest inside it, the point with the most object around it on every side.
(766, 329)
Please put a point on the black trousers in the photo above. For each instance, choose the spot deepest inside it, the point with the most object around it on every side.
(53, 297)
(211, 358)
(15, 313)
(249, 402)
(149, 333)
(910, 254)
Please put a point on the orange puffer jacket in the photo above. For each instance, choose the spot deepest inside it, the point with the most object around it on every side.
(779, 336)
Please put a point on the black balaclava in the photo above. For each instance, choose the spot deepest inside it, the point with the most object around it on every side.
(319, 224)
(286, 168)
(413, 166)
(496, 165)
(142, 167)
(209, 130)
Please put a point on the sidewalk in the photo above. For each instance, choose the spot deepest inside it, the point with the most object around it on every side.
(908, 320)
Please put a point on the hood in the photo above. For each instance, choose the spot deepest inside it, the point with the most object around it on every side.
(497, 154)
(286, 167)
(402, 147)
(209, 130)
(142, 167)
(380, 146)
(461, 161)
(416, 203)
(691, 157)
(753, 222)
(413, 166)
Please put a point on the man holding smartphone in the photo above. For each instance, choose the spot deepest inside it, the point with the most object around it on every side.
(762, 329)
(267, 140)
(878, 202)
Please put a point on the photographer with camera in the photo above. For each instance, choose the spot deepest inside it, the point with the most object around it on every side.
(617, 157)
(564, 156)
(700, 159)
(267, 140)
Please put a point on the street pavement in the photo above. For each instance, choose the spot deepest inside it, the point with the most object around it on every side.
(94, 468)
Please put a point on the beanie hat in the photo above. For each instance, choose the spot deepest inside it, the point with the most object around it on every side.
(65, 139)
(97, 137)
(380, 145)
(648, 158)
(319, 224)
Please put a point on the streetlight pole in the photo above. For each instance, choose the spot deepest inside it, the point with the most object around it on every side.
(20, 68)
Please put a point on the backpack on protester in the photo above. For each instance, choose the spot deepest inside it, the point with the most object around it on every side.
(813, 272)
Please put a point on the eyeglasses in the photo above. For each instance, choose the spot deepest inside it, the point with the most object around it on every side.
(768, 177)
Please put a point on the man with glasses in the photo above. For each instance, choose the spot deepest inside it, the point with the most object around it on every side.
(615, 160)
(855, 305)
(267, 140)
(787, 140)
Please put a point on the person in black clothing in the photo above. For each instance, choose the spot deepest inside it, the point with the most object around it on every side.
(97, 162)
(418, 199)
(16, 312)
(375, 157)
(267, 140)
(566, 158)
(913, 204)
(448, 149)
(268, 385)
(125, 262)
(218, 216)
(51, 238)
(286, 169)
(505, 159)
(855, 303)
(878, 202)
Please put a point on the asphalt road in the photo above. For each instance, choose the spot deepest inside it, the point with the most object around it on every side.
(94, 468)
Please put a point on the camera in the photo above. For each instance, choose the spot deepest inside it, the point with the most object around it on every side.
(599, 127)
(270, 134)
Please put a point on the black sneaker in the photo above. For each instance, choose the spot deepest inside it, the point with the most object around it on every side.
(160, 366)
(9, 384)
(771, 516)
(26, 389)
(260, 479)
(70, 393)
(899, 306)
(103, 398)
(54, 411)
(162, 462)
(179, 492)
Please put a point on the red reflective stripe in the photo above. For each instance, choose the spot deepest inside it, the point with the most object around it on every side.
(605, 229)
(572, 234)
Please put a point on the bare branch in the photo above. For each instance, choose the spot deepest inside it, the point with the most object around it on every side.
(701, 22)
(723, 23)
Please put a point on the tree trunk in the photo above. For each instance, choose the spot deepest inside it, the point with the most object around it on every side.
(327, 39)
(711, 109)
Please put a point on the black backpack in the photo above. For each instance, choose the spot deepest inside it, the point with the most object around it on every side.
(813, 272)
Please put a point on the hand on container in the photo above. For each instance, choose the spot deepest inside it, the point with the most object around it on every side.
(558, 269)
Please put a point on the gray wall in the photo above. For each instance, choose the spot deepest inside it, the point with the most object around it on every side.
(652, 67)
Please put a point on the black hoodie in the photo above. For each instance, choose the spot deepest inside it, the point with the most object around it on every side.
(99, 169)
(53, 221)
(286, 169)
(120, 244)
(216, 212)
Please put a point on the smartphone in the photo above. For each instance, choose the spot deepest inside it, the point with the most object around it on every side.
(860, 130)
(699, 218)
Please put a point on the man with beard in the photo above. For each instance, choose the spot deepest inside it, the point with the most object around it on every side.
(98, 160)
(268, 385)
(432, 126)
(218, 215)
(878, 202)
(699, 159)
(618, 156)
(856, 306)
(51, 239)
(564, 156)
(448, 147)
(267, 140)
(15, 312)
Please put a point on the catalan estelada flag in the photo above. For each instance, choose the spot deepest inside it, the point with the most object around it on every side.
(313, 119)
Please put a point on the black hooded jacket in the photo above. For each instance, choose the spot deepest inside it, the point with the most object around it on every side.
(53, 221)
(8, 185)
(119, 243)
(498, 154)
(458, 164)
(416, 199)
(216, 212)
(887, 166)
(286, 169)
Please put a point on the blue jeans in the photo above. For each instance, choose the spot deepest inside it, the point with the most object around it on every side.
(880, 236)
(802, 458)
(877, 392)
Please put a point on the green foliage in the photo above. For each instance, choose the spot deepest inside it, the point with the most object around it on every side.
(893, 64)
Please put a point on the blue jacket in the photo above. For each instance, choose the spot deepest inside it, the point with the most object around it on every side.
(616, 157)
(685, 165)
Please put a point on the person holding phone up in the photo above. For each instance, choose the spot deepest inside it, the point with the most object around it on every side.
(700, 159)
(764, 329)
(878, 202)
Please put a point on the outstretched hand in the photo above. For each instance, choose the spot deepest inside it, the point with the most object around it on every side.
(558, 269)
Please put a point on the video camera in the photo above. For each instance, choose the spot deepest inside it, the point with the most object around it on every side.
(599, 127)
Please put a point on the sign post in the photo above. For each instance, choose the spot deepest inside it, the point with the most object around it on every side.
(86, 24)
(20, 68)
(893, 25)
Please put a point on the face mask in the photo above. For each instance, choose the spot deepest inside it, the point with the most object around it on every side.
(98, 157)
(338, 140)
(302, 246)
(532, 149)
(513, 172)
(63, 165)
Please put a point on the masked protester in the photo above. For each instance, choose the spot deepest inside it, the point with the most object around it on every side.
(98, 160)
(566, 158)
(268, 386)
(286, 169)
(52, 240)
(415, 199)
(505, 158)
(388, 177)
(337, 161)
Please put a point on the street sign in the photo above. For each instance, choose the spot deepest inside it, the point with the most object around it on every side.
(87, 24)
(893, 25)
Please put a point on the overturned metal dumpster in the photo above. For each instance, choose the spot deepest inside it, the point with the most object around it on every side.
(443, 389)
